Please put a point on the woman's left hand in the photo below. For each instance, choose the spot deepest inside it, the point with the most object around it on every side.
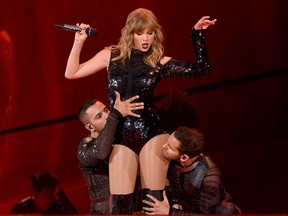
(204, 23)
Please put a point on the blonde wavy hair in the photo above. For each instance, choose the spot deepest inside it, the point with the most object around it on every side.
(137, 21)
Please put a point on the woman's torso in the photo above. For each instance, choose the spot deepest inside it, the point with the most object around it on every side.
(135, 77)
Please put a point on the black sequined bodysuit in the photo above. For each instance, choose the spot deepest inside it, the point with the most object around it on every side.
(135, 77)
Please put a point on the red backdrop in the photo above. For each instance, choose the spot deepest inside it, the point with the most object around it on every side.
(245, 120)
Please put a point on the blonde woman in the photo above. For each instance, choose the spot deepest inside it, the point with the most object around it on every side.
(135, 66)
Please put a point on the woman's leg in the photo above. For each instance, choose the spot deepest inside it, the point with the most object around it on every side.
(153, 165)
(123, 166)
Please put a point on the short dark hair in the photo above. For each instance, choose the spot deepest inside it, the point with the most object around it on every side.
(191, 141)
(43, 180)
(82, 109)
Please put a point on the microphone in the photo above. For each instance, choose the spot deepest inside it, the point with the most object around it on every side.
(89, 31)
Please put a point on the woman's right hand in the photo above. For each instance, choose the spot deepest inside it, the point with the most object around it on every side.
(81, 36)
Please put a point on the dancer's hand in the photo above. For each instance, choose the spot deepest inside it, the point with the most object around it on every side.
(127, 106)
(157, 207)
(204, 23)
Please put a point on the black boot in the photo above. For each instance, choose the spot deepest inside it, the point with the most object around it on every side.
(122, 204)
(137, 201)
(158, 194)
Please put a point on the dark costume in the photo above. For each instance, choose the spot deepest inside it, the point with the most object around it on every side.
(198, 188)
(63, 206)
(93, 155)
(135, 77)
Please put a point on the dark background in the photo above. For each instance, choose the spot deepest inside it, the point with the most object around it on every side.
(241, 107)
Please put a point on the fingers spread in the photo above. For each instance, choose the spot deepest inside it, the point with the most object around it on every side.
(134, 115)
(117, 96)
(132, 99)
(152, 198)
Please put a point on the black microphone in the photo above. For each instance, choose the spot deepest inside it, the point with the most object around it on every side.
(89, 31)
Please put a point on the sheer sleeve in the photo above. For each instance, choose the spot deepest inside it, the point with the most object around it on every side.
(210, 194)
(89, 154)
(176, 68)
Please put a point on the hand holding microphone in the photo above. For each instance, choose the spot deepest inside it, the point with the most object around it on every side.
(89, 31)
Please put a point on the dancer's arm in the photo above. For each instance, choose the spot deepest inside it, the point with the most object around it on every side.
(89, 154)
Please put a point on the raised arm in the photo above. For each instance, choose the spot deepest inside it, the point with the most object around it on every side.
(76, 70)
(176, 68)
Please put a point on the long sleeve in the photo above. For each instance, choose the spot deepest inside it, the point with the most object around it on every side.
(91, 152)
(207, 197)
(199, 186)
(210, 197)
(176, 68)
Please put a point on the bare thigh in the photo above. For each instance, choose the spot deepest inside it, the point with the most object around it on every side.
(123, 167)
(153, 165)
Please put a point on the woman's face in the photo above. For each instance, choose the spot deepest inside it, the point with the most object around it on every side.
(143, 39)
